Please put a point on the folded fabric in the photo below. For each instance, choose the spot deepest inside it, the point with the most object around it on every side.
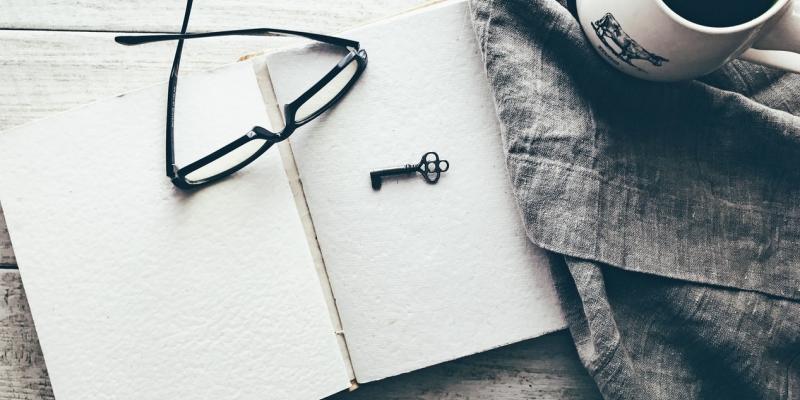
(695, 180)
(676, 207)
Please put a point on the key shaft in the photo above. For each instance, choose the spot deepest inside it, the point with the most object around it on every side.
(376, 177)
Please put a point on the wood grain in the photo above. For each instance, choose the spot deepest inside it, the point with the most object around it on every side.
(7, 259)
(45, 70)
(23, 374)
(541, 368)
(42, 73)
(166, 15)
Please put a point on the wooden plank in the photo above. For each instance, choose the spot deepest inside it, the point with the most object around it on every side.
(542, 368)
(42, 73)
(7, 258)
(23, 374)
(166, 15)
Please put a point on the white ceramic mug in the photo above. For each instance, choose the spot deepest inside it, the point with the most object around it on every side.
(646, 39)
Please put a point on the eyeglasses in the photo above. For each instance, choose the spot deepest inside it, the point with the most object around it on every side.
(236, 155)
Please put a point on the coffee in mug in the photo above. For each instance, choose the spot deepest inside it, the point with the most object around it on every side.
(719, 13)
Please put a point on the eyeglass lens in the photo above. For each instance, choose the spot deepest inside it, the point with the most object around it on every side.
(327, 93)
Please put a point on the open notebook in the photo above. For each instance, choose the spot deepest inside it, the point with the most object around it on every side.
(141, 291)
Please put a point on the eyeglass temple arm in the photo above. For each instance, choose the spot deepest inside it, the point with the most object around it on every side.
(135, 40)
(172, 169)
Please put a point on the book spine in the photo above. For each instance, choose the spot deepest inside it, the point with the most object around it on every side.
(287, 157)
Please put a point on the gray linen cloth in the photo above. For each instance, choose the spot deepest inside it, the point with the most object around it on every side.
(674, 208)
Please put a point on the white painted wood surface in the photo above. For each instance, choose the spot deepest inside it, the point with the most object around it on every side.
(59, 54)
(166, 15)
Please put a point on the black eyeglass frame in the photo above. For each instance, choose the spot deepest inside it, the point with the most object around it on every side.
(178, 175)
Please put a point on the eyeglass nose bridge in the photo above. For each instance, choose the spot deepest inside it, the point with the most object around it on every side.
(262, 133)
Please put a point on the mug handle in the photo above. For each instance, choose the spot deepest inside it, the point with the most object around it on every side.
(779, 47)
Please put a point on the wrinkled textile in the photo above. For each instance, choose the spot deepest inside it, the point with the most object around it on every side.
(676, 207)
(645, 337)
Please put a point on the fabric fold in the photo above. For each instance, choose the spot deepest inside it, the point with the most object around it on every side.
(646, 337)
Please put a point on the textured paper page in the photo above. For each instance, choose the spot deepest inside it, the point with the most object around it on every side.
(141, 291)
(421, 273)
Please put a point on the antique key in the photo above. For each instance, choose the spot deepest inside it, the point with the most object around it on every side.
(430, 166)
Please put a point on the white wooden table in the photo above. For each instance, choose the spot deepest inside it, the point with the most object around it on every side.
(59, 54)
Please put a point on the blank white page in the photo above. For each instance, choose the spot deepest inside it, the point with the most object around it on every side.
(421, 273)
(141, 291)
